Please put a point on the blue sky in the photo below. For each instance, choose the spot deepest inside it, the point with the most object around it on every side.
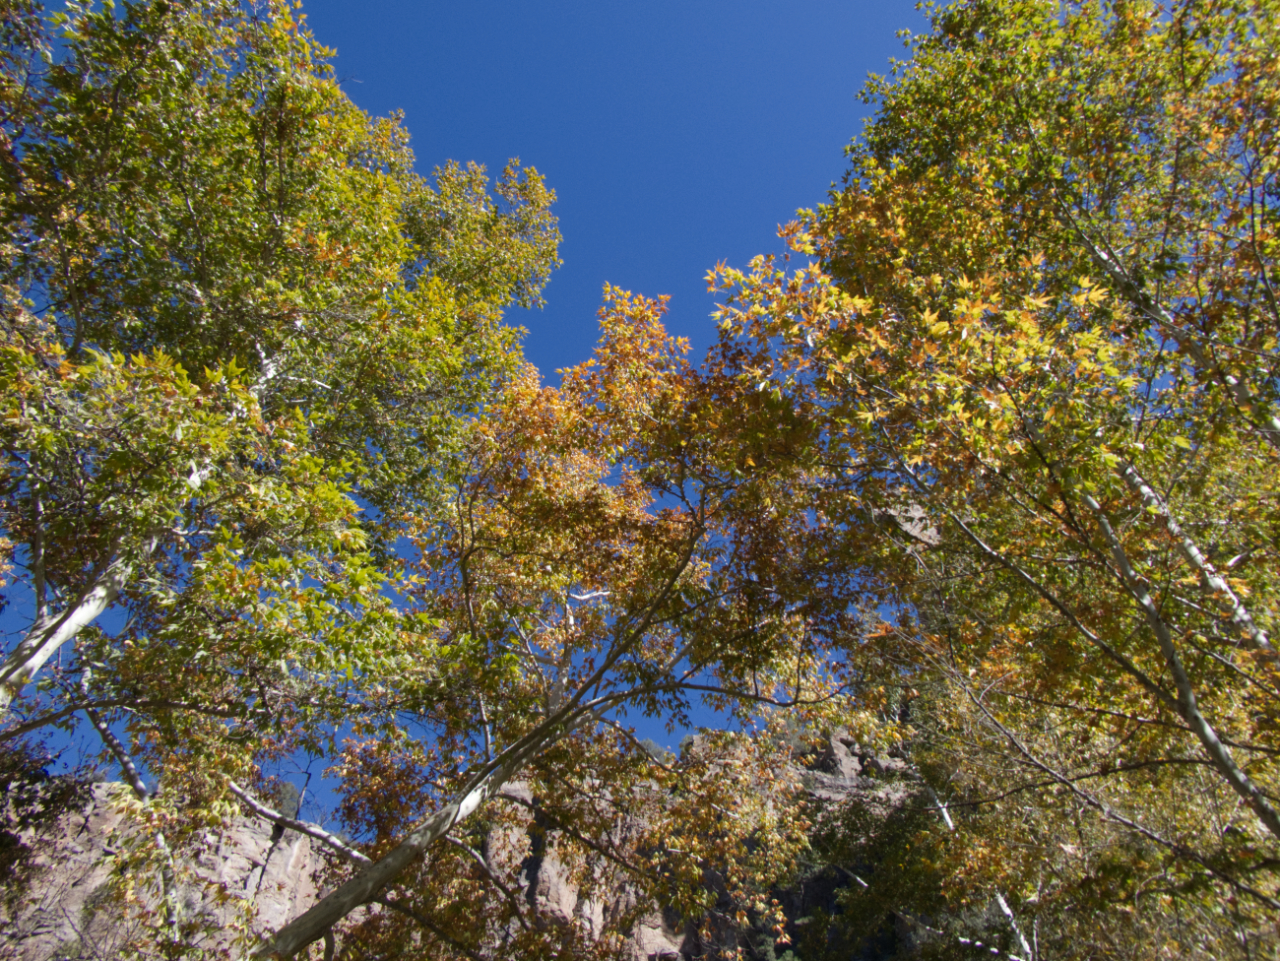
(676, 134)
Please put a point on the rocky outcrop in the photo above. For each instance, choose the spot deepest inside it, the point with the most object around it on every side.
(837, 773)
(77, 900)
(79, 903)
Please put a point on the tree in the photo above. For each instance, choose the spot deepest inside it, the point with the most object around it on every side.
(275, 484)
(598, 555)
(192, 194)
(1039, 348)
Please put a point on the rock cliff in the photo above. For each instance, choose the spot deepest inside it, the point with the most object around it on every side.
(73, 903)
(67, 906)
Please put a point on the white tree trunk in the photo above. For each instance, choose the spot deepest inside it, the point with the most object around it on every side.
(1235, 608)
(368, 883)
(51, 631)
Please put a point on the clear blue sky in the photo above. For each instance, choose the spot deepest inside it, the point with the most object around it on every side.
(676, 133)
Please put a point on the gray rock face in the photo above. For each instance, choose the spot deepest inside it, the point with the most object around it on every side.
(555, 899)
(80, 902)
(839, 773)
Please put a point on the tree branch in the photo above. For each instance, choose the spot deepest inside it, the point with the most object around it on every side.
(482, 786)
(1188, 706)
(426, 923)
(52, 631)
(1239, 614)
(302, 827)
(168, 877)
(488, 871)
(26, 727)
(1110, 813)
(1269, 425)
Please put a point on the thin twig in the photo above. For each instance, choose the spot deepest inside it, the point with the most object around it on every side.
(426, 923)
(484, 866)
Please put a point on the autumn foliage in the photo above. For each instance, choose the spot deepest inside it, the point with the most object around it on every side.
(1038, 339)
(983, 472)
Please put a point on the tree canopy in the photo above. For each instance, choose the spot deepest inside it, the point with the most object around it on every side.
(1038, 345)
(984, 471)
(276, 485)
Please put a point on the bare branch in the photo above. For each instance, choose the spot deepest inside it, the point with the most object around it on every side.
(488, 871)
(573, 833)
(302, 827)
(168, 877)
